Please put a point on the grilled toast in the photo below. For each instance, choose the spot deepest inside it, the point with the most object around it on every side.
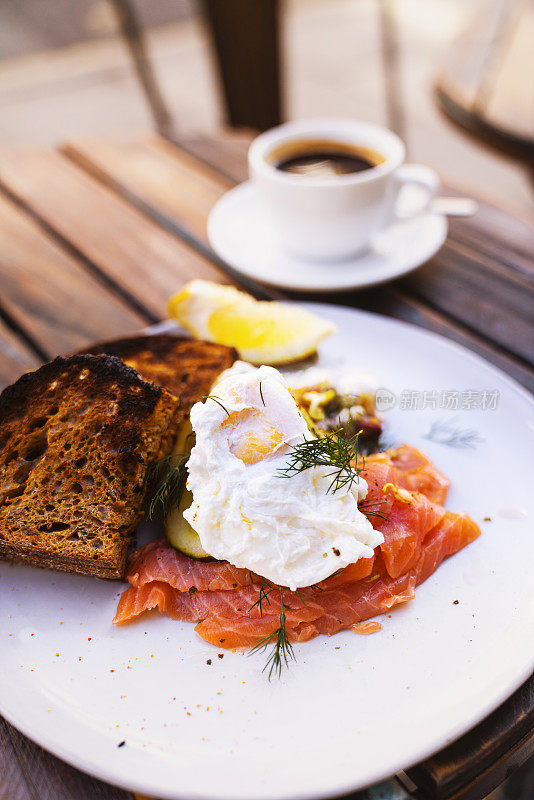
(76, 438)
(184, 367)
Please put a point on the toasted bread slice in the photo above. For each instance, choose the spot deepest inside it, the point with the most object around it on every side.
(185, 367)
(76, 438)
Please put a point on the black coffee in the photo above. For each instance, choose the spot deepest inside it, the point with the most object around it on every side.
(324, 159)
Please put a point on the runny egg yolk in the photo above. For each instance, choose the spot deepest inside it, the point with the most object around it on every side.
(251, 436)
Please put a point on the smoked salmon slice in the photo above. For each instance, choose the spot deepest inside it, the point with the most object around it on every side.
(408, 518)
(236, 608)
(157, 561)
(415, 472)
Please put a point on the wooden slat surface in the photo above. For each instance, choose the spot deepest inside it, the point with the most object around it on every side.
(49, 293)
(481, 294)
(156, 173)
(167, 178)
(141, 261)
(503, 742)
(506, 239)
(15, 356)
(223, 152)
(27, 772)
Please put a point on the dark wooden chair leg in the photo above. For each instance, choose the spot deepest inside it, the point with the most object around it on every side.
(245, 35)
(133, 36)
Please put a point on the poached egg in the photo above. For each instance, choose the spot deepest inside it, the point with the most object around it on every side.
(291, 530)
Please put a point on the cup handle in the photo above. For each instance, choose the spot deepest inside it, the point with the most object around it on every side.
(416, 175)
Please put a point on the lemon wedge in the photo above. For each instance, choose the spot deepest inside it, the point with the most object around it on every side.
(262, 332)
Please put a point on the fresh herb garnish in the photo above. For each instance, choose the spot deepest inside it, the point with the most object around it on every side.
(168, 476)
(265, 591)
(216, 400)
(333, 450)
(302, 600)
(445, 432)
(371, 508)
(282, 651)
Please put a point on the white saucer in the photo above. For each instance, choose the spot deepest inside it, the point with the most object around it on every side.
(240, 233)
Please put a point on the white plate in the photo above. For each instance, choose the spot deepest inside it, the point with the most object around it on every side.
(239, 231)
(352, 709)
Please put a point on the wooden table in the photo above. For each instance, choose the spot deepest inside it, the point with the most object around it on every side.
(95, 237)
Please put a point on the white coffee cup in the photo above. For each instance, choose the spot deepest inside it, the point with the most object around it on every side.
(335, 217)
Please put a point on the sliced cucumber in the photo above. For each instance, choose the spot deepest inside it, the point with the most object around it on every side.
(179, 532)
(185, 439)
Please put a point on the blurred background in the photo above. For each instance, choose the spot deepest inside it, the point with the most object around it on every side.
(67, 70)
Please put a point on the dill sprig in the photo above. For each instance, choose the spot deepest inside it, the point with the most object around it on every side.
(282, 650)
(334, 450)
(167, 477)
(371, 508)
(216, 400)
(302, 600)
(445, 432)
(265, 591)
